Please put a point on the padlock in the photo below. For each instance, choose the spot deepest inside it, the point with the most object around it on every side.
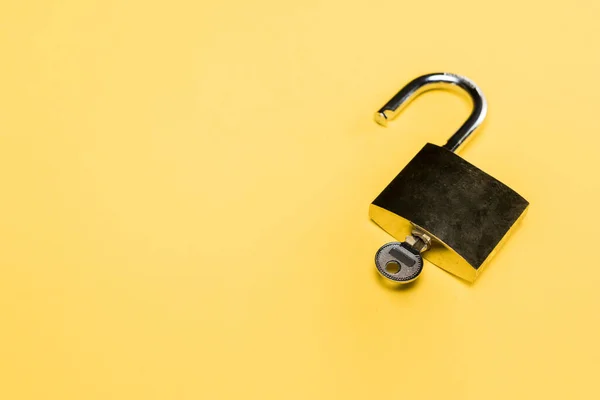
(456, 212)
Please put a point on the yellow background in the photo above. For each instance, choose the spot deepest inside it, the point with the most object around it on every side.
(185, 187)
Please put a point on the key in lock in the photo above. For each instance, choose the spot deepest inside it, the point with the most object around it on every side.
(466, 213)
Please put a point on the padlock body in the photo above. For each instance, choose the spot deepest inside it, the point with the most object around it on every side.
(467, 212)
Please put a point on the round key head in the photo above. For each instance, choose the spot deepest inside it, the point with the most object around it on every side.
(399, 262)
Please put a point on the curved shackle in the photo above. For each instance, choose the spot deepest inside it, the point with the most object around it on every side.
(438, 81)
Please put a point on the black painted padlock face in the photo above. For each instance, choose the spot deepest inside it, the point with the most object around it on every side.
(464, 207)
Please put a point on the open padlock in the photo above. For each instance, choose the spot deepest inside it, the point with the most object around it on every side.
(440, 203)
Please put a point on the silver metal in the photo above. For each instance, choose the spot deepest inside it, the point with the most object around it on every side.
(406, 262)
(434, 81)
(419, 240)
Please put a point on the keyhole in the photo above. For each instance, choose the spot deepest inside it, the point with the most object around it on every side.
(392, 267)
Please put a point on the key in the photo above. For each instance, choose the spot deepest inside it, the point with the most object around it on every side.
(400, 261)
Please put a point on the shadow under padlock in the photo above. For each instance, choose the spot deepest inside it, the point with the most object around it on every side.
(442, 206)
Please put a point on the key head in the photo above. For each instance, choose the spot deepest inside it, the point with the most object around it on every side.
(399, 262)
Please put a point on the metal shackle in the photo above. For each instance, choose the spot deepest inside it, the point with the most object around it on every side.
(440, 80)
